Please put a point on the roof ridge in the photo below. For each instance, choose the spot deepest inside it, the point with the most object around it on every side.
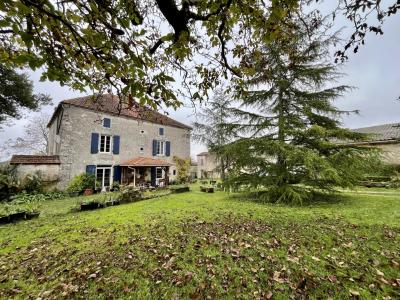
(109, 103)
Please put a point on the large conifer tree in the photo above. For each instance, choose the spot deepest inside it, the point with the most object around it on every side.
(210, 128)
(289, 126)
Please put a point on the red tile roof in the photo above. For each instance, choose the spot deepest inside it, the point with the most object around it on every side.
(35, 160)
(145, 162)
(109, 103)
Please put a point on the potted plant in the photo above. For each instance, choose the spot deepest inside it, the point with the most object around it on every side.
(81, 183)
(88, 192)
(17, 214)
(89, 205)
(4, 219)
(32, 211)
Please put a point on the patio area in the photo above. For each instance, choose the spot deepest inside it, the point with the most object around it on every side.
(145, 172)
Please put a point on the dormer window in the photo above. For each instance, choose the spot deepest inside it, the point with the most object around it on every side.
(107, 123)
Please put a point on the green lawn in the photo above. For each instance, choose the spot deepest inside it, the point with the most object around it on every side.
(197, 245)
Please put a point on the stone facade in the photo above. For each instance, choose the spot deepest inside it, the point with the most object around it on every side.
(207, 165)
(71, 133)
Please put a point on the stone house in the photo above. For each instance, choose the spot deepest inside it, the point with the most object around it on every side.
(128, 144)
(385, 137)
(207, 166)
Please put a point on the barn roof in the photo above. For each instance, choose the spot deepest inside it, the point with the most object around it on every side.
(35, 160)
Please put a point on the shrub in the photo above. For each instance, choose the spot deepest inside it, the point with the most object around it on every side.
(116, 186)
(26, 198)
(179, 189)
(9, 183)
(81, 182)
(130, 194)
(33, 183)
(182, 166)
(395, 180)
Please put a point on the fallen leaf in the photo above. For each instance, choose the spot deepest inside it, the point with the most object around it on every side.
(354, 293)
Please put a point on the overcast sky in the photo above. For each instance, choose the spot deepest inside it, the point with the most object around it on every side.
(374, 70)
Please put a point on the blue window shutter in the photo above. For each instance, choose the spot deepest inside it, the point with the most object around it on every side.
(168, 148)
(154, 147)
(161, 131)
(116, 144)
(91, 169)
(94, 147)
(153, 176)
(107, 122)
(117, 173)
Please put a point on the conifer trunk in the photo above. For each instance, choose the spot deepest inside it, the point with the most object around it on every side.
(281, 160)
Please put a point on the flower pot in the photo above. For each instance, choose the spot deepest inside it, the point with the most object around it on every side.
(89, 206)
(32, 215)
(4, 219)
(17, 216)
(88, 192)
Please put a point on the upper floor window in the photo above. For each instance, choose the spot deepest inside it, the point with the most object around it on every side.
(107, 123)
(105, 144)
(201, 162)
(160, 148)
(161, 131)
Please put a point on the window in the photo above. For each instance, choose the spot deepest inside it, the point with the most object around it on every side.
(174, 172)
(105, 144)
(160, 149)
(201, 162)
(107, 123)
(161, 131)
(159, 173)
(103, 176)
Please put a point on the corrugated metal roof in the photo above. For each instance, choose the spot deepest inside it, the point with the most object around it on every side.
(35, 160)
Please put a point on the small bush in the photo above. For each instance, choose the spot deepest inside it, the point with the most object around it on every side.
(26, 198)
(81, 182)
(116, 186)
(130, 194)
(395, 181)
(9, 183)
(179, 189)
(33, 183)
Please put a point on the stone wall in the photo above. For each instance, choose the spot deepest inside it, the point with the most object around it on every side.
(390, 153)
(73, 142)
(49, 173)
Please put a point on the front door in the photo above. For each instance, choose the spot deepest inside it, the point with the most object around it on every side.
(103, 177)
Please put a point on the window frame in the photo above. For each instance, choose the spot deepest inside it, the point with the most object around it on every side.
(109, 120)
(157, 169)
(106, 136)
(160, 148)
(103, 177)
